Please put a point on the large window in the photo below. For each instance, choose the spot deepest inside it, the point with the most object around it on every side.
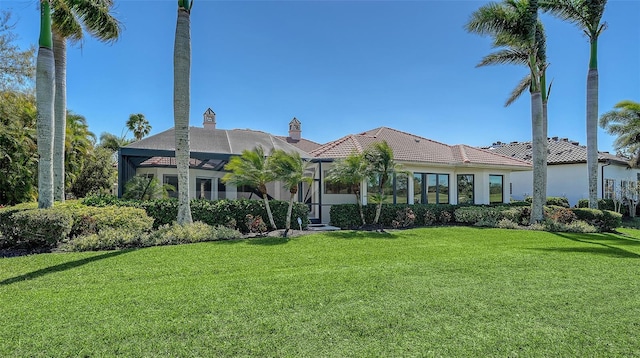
(609, 188)
(496, 191)
(430, 188)
(173, 181)
(465, 189)
(222, 190)
(203, 188)
(395, 191)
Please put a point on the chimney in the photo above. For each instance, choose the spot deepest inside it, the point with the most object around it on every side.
(209, 119)
(294, 129)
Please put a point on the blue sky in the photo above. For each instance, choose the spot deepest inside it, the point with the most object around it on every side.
(340, 67)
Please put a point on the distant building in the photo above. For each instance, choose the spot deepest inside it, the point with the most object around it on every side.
(567, 170)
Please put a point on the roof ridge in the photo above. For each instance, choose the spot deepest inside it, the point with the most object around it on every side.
(417, 136)
(463, 154)
(498, 154)
(325, 147)
(226, 133)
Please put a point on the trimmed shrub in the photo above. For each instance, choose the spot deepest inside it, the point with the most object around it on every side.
(346, 216)
(255, 224)
(603, 220)
(507, 224)
(560, 214)
(196, 232)
(89, 220)
(108, 239)
(6, 223)
(38, 228)
(519, 215)
(229, 213)
(404, 218)
(552, 201)
(485, 215)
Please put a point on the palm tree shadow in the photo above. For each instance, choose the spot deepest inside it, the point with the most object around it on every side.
(62, 267)
(604, 247)
(268, 240)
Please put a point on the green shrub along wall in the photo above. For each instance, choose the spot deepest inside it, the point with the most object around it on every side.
(347, 216)
(230, 213)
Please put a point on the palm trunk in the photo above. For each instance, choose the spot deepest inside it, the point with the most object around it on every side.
(592, 129)
(60, 57)
(379, 206)
(545, 128)
(539, 158)
(181, 100)
(45, 92)
(268, 208)
(360, 209)
(287, 224)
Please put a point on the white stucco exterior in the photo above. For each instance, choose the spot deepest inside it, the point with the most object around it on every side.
(571, 181)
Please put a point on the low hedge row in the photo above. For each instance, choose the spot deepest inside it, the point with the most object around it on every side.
(346, 216)
(229, 213)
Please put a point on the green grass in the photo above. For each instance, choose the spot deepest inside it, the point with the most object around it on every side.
(450, 291)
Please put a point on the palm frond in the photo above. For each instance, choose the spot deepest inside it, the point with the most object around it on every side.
(511, 56)
(524, 84)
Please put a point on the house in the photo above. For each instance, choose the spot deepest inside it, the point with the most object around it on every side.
(567, 170)
(210, 148)
(434, 172)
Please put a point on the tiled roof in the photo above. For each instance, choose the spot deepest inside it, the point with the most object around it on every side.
(219, 141)
(561, 151)
(412, 148)
(303, 144)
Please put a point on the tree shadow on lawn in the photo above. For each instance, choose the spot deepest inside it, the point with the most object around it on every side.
(268, 240)
(360, 234)
(605, 245)
(62, 267)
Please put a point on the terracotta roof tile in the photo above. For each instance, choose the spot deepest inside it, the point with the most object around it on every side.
(409, 147)
(304, 144)
(560, 151)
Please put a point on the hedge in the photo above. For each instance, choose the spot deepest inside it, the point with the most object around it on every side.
(604, 220)
(37, 228)
(226, 212)
(347, 216)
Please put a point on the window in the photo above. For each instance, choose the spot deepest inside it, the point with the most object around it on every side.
(465, 189)
(203, 188)
(336, 188)
(222, 190)
(173, 181)
(609, 188)
(395, 191)
(247, 192)
(430, 188)
(496, 194)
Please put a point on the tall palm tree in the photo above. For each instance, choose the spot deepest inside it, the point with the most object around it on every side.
(252, 169)
(381, 168)
(139, 125)
(586, 14)
(181, 102)
(45, 92)
(351, 171)
(289, 169)
(624, 121)
(516, 54)
(515, 22)
(68, 19)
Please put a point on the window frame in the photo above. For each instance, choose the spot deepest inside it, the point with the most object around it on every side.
(473, 188)
(501, 176)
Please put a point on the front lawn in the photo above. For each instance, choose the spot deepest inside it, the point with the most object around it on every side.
(445, 291)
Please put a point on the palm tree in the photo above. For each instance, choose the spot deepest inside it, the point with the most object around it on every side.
(181, 100)
(139, 125)
(289, 169)
(515, 22)
(45, 91)
(350, 171)
(516, 54)
(252, 169)
(381, 168)
(112, 141)
(586, 14)
(79, 143)
(68, 19)
(624, 121)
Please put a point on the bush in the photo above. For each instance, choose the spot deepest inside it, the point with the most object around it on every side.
(38, 228)
(404, 218)
(552, 201)
(255, 224)
(196, 232)
(560, 214)
(89, 220)
(108, 239)
(507, 224)
(520, 215)
(603, 220)
(225, 212)
(485, 215)
(6, 223)
(346, 216)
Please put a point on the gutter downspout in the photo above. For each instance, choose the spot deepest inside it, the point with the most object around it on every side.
(607, 163)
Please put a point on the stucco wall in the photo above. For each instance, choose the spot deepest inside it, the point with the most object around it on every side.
(570, 180)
